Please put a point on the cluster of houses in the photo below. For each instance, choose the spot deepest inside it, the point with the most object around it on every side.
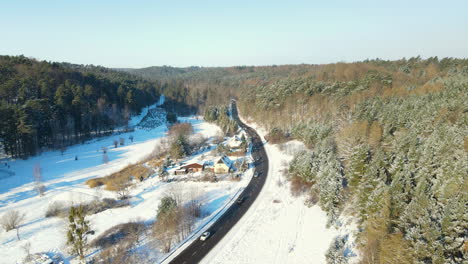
(221, 165)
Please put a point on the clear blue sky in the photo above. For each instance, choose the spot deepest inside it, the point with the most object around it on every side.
(117, 33)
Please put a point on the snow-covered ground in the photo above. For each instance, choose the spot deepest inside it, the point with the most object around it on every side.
(278, 228)
(64, 178)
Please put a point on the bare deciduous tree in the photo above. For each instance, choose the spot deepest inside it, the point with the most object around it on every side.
(37, 174)
(176, 192)
(164, 231)
(194, 203)
(122, 187)
(105, 158)
(12, 220)
(27, 250)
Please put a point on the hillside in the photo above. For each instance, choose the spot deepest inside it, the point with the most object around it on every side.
(387, 145)
(53, 105)
(160, 72)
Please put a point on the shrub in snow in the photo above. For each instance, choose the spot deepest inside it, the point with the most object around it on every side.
(128, 232)
(208, 176)
(98, 206)
(299, 186)
(27, 250)
(55, 208)
(121, 186)
(185, 129)
(96, 182)
(59, 209)
(41, 258)
(313, 197)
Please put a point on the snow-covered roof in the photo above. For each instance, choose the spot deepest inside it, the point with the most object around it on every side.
(208, 163)
(193, 165)
(224, 159)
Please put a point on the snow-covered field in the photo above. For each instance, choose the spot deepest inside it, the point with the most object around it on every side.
(278, 228)
(64, 178)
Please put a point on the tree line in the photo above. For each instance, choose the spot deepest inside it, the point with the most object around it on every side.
(52, 105)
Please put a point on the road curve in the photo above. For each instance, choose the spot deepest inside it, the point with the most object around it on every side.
(199, 249)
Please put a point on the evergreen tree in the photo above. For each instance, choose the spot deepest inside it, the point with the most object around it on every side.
(336, 252)
(78, 228)
(163, 170)
(179, 147)
(330, 183)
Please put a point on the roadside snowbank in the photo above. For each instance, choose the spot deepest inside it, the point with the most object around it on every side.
(278, 228)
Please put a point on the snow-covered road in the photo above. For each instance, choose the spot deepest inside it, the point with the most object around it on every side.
(278, 228)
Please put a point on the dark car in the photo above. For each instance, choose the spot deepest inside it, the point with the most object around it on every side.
(240, 200)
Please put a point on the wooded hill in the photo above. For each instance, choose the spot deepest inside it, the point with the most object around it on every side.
(52, 105)
(388, 144)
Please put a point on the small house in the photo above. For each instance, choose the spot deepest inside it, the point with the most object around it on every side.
(223, 165)
(193, 167)
(208, 166)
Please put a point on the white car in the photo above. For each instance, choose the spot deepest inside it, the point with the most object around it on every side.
(205, 236)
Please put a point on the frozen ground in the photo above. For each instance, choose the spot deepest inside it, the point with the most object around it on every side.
(64, 179)
(278, 228)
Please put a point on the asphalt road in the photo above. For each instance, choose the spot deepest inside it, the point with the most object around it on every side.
(198, 249)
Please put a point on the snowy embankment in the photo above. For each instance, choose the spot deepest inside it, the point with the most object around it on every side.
(64, 179)
(278, 228)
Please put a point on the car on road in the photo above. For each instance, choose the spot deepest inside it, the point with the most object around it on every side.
(255, 174)
(205, 236)
(240, 200)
